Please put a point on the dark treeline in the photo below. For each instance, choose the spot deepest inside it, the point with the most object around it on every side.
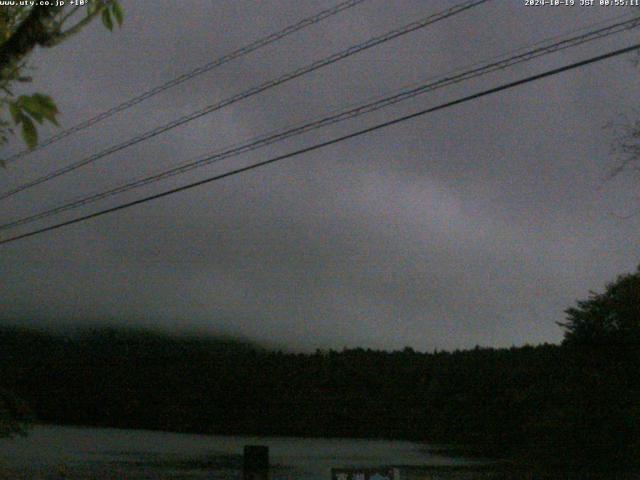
(553, 403)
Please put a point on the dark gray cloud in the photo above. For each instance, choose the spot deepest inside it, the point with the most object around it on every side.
(479, 224)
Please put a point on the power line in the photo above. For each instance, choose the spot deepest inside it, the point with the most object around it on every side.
(375, 41)
(252, 47)
(336, 117)
(342, 138)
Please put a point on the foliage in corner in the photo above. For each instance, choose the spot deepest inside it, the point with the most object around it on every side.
(25, 110)
(22, 28)
(608, 318)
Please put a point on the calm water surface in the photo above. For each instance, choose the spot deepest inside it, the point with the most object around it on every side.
(83, 453)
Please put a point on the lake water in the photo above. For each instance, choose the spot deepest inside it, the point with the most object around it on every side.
(88, 453)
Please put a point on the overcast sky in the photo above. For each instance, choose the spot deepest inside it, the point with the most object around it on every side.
(478, 224)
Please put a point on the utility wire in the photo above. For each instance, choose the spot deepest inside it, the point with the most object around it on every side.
(411, 27)
(335, 118)
(333, 141)
(262, 42)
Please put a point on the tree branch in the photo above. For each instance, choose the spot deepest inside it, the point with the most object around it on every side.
(58, 37)
(68, 16)
(32, 31)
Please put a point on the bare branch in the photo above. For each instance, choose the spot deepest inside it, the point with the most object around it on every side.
(66, 17)
(59, 37)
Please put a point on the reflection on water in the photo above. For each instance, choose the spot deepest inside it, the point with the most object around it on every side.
(83, 453)
(52, 452)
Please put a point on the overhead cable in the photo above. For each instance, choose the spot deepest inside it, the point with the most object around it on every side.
(333, 141)
(334, 118)
(252, 47)
(375, 41)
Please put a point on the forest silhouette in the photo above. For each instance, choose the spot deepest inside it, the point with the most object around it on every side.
(575, 403)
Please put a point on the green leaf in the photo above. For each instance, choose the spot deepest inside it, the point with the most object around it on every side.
(117, 12)
(29, 132)
(93, 6)
(33, 107)
(16, 113)
(106, 19)
(37, 116)
(47, 108)
(46, 102)
(52, 118)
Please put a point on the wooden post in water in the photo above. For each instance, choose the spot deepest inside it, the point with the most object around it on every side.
(256, 462)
